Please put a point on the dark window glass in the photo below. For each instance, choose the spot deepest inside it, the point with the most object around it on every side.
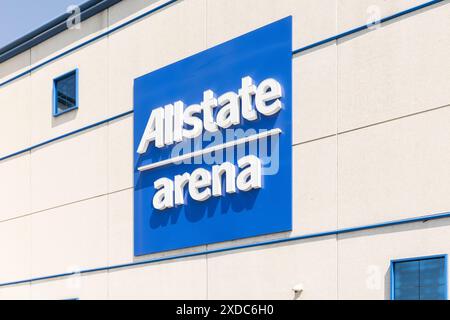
(66, 93)
(406, 280)
(420, 279)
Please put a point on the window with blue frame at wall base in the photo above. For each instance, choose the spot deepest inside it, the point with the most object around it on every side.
(65, 93)
(422, 278)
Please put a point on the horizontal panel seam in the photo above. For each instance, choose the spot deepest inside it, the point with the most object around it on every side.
(21, 216)
(71, 133)
(294, 144)
(394, 119)
(370, 125)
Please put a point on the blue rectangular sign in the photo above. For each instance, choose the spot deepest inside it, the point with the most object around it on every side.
(213, 144)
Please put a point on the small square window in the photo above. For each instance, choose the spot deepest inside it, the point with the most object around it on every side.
(65, 93)
(419, 278)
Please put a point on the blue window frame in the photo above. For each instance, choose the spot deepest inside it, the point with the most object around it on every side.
(423, 278)
(65, 93)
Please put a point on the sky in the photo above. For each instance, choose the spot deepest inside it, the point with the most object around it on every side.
(19, 17)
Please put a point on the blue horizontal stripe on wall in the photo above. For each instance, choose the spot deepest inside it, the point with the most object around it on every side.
(368, 26)
(67, 135)
(235, 248)
(308, 47)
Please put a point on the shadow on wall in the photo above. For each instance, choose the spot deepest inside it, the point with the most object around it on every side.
(64, 118)
(387, 285)
(90, 27)
(14, 65)
(124, 9)
(94, 25)
(87, 28)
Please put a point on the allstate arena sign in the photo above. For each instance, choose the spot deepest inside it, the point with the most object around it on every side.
(213, 144)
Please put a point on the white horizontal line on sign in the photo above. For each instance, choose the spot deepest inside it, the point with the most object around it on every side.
(198, 153)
